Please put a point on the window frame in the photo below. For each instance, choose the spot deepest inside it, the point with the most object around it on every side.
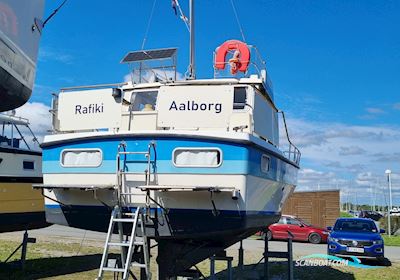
(197, 149)
(245, 104)
(298, 223)
(283, 219)
(261, 163)
(81, 149)
(136, 91)
(28, 161)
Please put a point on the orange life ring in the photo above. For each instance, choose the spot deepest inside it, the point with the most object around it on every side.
(240, 62)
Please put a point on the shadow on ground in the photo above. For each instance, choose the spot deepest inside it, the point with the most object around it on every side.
(279, 270)
(59, 266)
(372, 262)
(49, 267)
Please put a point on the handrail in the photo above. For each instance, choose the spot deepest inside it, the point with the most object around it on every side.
(93, 86)
(296, 152)
(121, 170)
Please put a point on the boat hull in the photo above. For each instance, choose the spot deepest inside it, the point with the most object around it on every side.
(21, 207)
(184, 213)
(19, 45)
(196, 215)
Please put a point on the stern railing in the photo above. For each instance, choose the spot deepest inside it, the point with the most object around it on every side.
(293, 153)
(257, 66)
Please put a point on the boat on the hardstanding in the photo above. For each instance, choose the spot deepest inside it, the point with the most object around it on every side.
(202, 156)
(21, 207)
(20, 30)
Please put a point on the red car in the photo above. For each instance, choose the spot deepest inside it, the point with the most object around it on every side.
(301, 230)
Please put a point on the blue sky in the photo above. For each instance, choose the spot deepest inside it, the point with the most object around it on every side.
(335, 66)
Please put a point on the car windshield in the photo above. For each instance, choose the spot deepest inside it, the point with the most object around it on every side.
(304, 222)
(355, 225)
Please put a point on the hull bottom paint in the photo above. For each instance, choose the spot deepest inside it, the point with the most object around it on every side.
(13, 94)
(176, 223)
(22, 221)
(185, 237)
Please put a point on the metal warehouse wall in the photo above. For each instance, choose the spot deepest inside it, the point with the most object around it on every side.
(320, 208)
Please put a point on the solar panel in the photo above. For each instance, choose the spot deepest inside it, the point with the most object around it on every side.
(149, 55)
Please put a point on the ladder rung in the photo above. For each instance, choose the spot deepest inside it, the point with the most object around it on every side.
(119, 244)
(138, 243)
(122, 220)
(129, 214)
(133, 153)
(113, 269)
(136, 264)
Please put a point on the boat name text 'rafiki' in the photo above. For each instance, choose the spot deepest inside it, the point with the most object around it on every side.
(91, 109)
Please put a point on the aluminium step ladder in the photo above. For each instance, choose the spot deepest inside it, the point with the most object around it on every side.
(129, 246)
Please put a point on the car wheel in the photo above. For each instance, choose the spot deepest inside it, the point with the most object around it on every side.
(314, 238)
(383, 261)
(267, 235)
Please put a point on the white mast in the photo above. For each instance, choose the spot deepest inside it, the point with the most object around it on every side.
(191, 70)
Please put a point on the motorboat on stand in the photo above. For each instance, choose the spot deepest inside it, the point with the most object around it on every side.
(201, 157)
(21, 207)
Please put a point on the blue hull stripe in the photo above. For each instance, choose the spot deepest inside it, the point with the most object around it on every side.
(238, 158)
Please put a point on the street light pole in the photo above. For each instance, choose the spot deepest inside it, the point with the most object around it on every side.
(388, 173)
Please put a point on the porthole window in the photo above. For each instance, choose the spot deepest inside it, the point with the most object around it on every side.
(81, 158)
(265, 163)
(197, 157)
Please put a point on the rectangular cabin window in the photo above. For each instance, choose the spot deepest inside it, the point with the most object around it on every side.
(144, 101)
(28, 165)
(197, 157)
(265, 162)
(239, 98)
(81, 158)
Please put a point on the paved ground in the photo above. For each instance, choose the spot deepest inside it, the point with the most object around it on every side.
(253, 245)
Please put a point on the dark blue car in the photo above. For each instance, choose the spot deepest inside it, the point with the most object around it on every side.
(356, 237)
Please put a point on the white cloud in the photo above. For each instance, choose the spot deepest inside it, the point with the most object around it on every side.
(351, 150)
(49, 54)
(373, 110)
(352, 158)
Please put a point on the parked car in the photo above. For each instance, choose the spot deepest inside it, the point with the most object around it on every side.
(356, 237)
(301, 230)
(395, 211)
(354, 213)
(370, 214)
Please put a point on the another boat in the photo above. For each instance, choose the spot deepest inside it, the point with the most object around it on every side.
(21, 207)
(202, 156)
(20, 30)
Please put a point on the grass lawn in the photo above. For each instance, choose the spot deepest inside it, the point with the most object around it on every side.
(346, 215)
(392, 240)
(67, 259)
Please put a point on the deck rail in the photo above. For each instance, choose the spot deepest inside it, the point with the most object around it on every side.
(257, 66)
(293, 153)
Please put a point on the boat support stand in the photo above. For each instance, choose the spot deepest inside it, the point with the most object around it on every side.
(26, 239)
(280, 255)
